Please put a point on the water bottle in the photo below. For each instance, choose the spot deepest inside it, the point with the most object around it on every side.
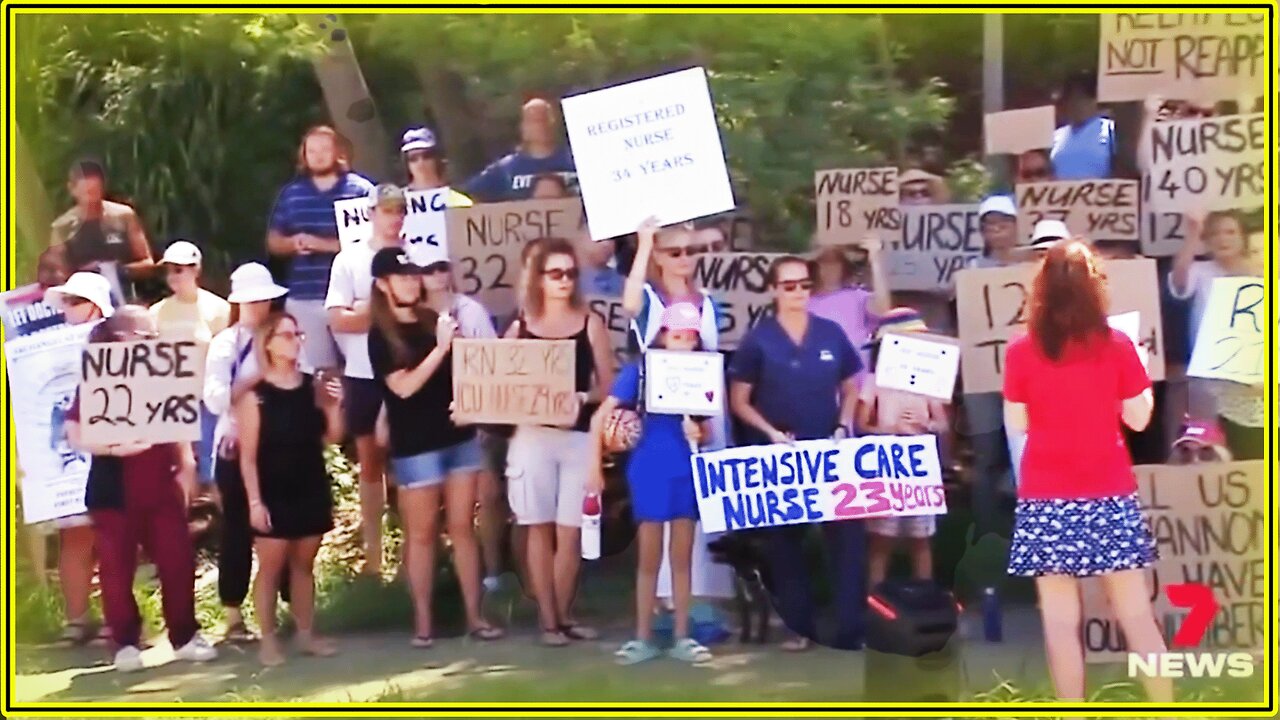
(991, 615)
(591, 527)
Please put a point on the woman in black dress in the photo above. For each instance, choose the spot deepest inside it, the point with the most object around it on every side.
(284, 424)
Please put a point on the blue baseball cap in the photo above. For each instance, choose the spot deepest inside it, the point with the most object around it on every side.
(419, 138)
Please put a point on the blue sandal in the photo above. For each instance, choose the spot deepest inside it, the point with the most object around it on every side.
(636, 651)
(689, 650)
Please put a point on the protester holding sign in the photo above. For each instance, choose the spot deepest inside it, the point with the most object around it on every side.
(304, 231)
(546, 470)
(285, 421)
(84, 298)
(1085, 148)
(137, 495)
(854, 308)
(231, 369)
(793, 378)
(886, 411)
(1069, 383)
(433, 458)
(347, 303)
(511, 176)
(660, 479)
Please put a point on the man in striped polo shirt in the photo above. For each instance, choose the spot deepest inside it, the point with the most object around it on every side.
(303, 229)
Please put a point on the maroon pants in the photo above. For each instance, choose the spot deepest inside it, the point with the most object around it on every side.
(154, 518)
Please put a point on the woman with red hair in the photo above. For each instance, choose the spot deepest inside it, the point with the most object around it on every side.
(1069, 383)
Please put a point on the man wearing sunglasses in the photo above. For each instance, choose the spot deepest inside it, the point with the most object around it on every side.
(793, 378)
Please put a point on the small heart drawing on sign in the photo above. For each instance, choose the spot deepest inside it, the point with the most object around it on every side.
(710, 395)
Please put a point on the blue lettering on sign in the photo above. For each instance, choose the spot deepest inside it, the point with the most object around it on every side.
(829, 465)
(863, 471)
(899, 470)
(917, 463)
(893, 462)
(749, 473)
(811, 513)
(812, 463)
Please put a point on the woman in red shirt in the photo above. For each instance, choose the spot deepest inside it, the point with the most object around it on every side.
(1069, 383)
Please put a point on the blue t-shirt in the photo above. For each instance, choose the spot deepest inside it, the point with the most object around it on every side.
(795, 388)
(511, 177)
(662, 452)
(301, 207)
(1084, 152)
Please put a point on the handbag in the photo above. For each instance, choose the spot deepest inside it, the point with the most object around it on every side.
(622, 427)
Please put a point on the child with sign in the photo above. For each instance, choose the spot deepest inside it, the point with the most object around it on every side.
(661, 482)
(886, 411)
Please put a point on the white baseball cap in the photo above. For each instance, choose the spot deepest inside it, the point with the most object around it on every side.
(1048, 232)
(88, 285)
(1002, 204)
(251, 283)
(181, 253)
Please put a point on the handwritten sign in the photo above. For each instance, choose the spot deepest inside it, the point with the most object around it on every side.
(818, 481)
(1216, 163)
(1203, 57)
(616, 321)
(992, 304)
(1014, 132)
(514, 382)
(937, 241)
(143, 390)
(485, 242)
(855, 203)
(1096, 209)
(424, 224)
(739, 283)
(1163, 231)
(655, 139)
(1209, 523)
(353, 218)
(684, 383)
(1230, 344)
(44, 369)
(919, 363)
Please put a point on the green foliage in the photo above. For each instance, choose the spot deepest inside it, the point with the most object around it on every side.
(38, 612)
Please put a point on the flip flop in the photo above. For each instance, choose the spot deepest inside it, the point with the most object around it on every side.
(796, 644)
(239, 633)
(636, 651)
(554, 637)
(689, 650)
(574, 631)
(487, 633)
(422, 642)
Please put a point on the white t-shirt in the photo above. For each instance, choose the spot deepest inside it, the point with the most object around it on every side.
(351, 281)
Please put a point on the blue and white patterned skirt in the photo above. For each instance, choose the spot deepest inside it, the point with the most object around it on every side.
(1080, 537)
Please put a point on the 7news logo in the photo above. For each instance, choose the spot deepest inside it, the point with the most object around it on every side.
(1203, 607)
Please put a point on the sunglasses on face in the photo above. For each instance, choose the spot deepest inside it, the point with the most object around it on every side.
(690, 250)
(561, 273)
(436, 267)
(415, 157)
(794, 285)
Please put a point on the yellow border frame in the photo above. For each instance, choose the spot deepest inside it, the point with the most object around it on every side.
(638, 710)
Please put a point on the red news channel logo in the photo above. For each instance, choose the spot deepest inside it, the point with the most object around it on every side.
(1202, 606)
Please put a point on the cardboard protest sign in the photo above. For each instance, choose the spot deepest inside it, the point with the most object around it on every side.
(1230, 344)
(855, 203)
(1163, 231)
(1209, 523)
(44, 369)
(919, 363)
(514, 382)
(1203, 57)
(739, 283)
(616, 321)
(1096, 209)
(485, 241)
(141, 391)
(992, 304)
(684, 383)
(1013, 132)
(654, 139)
(23, 311)
(1216, 163)
(937, 241)
(818, 481)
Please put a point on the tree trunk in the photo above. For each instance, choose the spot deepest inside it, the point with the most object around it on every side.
(455, 122)
(351, 107)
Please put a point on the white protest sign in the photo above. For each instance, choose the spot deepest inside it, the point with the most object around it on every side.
(1130, 324)
(1014, 132)
(426, 227)
(352, 216)
(925, 365)
(44, 369)
(1216, 163)
(141, 391)
(1230, 344)
(855, 203)
(24, 311)
(684, 383)
(1096, 209)
(616, 321)
(1162, 231)
(818, 481)
(937, 242)
(1202, 57)
(654, 139)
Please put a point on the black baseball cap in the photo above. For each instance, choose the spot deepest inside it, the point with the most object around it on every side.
(393, 261)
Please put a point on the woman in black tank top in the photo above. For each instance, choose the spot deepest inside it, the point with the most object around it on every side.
(546, 468)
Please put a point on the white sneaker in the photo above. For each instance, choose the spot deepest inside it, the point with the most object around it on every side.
(128, 659)
(197, 650)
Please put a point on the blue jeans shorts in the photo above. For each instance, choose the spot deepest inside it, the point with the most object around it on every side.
(433, 468)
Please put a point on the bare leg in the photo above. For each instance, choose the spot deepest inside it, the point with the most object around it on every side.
(880, 549)
(568, 558)
(273, 555)
(1129, 596)
(373, 501)
(76, 563)
(419, 511)
(649, 539)
(460, 503)
(682, 573)
(1060, 613)
(922, 558)
(489, 523)
(302, 598)
(541, 573)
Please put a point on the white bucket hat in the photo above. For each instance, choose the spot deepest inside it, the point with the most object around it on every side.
(251, 283)
(88, 285)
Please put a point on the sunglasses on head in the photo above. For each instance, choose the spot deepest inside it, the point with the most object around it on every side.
(794, 285)
(436, 267)
(690, 250)
(562, 273)
(139, 334)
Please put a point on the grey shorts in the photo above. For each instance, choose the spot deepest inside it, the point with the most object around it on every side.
(319, 348)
